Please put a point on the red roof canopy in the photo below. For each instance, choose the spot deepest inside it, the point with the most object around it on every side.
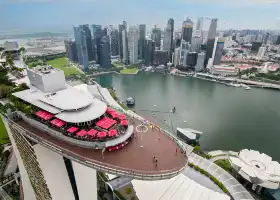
(102, 134)
(121, 117)
(81, 133)
(44, 115)
(61, 123)
(72, 129)
(92, 132)
(112, 132)
(124, 122)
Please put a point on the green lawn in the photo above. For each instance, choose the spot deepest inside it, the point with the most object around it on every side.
(117, 64)
(129, 71)
(4, 138)
(63, 64)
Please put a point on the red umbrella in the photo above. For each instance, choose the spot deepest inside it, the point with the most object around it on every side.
(112, 132)
(101, 134)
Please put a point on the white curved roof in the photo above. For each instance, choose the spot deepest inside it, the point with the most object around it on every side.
(257, 168)
(96, 109)
(68, 99)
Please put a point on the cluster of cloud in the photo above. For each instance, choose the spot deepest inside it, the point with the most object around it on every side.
(235, 3)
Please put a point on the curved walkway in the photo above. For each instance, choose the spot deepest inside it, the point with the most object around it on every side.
(236, 190)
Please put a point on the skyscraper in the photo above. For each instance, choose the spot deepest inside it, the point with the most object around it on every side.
(170, 25)
(184, 49)
(105, 56)
(125, 43)
(211, 40)
(176, 57)
(71, 50)
(266, 38)
(121, 28)
(88, 38)
(199, 25)
(81, 37)
(167, 34)
(278, 40)
(187, 29)
(149, 52)
(261, 52)
(156, 36)
(200, 62)
(133, 37)
(124, 47)
(113, 40)
(95, 28)
(142, 38)
(160, 57)
(196, 43)
(219, 51)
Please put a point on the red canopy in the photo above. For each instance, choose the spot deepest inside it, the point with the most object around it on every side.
(44, 115)
(106, 123)
(61, 123)
(114, 114)
(55, 121)
(109, 110)
(112, 132)
(72, 129)
(92, 132)
(124, 122)
(81, 133)
(102, 134)
(121, 117)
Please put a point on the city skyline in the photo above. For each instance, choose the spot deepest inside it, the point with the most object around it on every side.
(19, 14)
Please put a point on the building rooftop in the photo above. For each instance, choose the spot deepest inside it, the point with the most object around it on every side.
(43, 70)
(63, 102)
(136, 157)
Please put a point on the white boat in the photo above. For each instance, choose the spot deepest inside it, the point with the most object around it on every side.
(247, 88)
(234, 85)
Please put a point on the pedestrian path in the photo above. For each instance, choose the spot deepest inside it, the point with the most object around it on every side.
(236, 190)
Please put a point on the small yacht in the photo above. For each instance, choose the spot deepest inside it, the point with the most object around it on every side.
(130, 101)
(247, 88)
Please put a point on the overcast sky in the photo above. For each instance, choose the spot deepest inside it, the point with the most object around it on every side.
(44, 15)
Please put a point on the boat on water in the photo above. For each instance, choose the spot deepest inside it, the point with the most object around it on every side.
(130, 101)
(234, 85)
(247, 88)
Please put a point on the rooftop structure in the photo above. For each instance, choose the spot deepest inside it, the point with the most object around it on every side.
(257, 168)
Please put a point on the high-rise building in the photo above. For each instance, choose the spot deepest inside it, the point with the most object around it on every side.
(81, 46)
(170, 25)
(98, 35)
(88, 38)
(133, 37)
(166, 46)
(278, 40)
(191, 59)
(219, 51)
(156, 36)
(176, 57)
(113, 35)
(199, 26)
(187, 29)
(261, 52)
(184, 49)
(121, 28)
(266, 38)
(142, 38)
(105, 56)
(200, 62)
(255, 46)
(95, 28)
(196, 43)
(71, 50)
(160, 57)
(125, 43)
(149, 52)
(211, 40)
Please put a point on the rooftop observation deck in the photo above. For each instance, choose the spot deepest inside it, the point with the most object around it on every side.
(135, 159)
